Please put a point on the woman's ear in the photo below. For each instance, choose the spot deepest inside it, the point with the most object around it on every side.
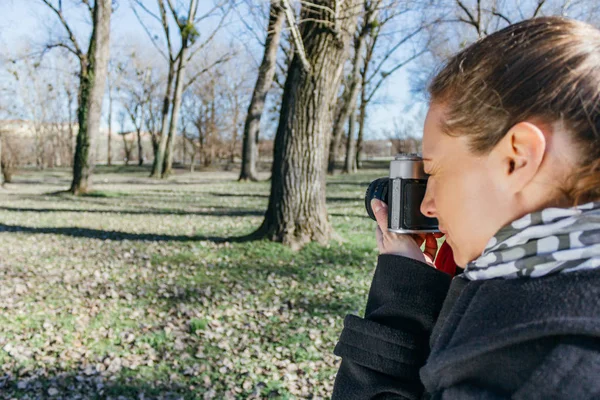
(521, 152)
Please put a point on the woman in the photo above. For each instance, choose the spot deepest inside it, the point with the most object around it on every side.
(512, 145)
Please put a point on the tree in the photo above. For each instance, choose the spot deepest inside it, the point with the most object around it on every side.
(296, 213)
(110, 88)
(347, 110)
(127, 144)
(188, 33)
(42, 90)
(2, 180)
(178, 60)
(92, 78)
(136, 86)
(266, 72)
(93, 66)
(454, 24)
(381, 47)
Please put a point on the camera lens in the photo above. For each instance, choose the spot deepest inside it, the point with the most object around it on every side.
(378, 189)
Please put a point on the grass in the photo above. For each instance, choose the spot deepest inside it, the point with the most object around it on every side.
(134, 290)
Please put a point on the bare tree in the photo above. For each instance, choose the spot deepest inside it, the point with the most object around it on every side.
(93, 69)
(381, 49)
(177, 59)
(41, 92)
(296, 213)
(127, 143)
(266, 72)
(188, 33)
(352, 84)
(370, 8)
(2, 180)
(110, 88)
(153, 116)
(136, 87)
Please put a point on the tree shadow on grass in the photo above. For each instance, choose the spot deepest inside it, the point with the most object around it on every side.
(225, 195)
(120, 236)
(217, 212)
(336, 199)
(363, 184)
(74, 384)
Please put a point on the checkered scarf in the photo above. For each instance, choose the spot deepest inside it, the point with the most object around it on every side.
(553, 240)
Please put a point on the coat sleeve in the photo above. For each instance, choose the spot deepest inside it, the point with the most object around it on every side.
(383, 352)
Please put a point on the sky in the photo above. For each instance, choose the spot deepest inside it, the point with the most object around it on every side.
(28, 22)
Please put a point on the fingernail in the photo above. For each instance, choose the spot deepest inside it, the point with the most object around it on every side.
(376, 205)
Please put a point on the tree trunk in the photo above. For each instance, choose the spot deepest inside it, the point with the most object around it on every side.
(336, 134)
(234, 132)
(138, 130)
(159, 154)
(139, 145)
(110, 108)
(127, 148)
(266, 72)
(168, 161)
(71, 129)
(362, 115)
(1, 171)
(184, 146)
(91, 93)
(351, 92)
(185, 32)
(192, 156)
(297, 212)
(361, 129)
(349, 164)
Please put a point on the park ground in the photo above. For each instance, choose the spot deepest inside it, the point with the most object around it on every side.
(135, 291)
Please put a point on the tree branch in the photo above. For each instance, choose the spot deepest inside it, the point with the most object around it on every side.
(386, 74)
(501, 16)
(165, 24)
(211, 37)
(299, 45)
(61, 17)
(170, 4)
(143, 7)
(538, 8)
(210, 13)
(161, 51)
(64, 46)
(223, 59)
(393, 49)
(260, 40)
(310, 4)
(89, 6)
(471, 21)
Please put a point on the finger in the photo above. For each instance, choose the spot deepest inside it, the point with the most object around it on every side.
(380, 210)
(419, 238)
(379, 237)
(430, 246)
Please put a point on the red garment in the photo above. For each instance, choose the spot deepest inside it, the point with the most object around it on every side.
(444, 261)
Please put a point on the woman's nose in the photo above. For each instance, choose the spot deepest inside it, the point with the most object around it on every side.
(427, 205)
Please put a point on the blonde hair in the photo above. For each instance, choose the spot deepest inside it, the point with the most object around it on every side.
(547, 68)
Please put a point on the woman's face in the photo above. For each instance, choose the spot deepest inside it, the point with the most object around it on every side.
(463, 190)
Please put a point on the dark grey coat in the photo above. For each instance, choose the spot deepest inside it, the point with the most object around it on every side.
(427, 336)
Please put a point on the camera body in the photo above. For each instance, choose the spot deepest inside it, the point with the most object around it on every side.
(403, 192)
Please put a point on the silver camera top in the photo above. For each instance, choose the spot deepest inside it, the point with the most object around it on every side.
(407, 166)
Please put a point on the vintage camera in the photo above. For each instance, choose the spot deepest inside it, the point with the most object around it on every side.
(403, 192)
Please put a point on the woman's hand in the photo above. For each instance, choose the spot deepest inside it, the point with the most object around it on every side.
(402, 244)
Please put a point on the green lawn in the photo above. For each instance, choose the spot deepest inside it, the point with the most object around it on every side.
(135, 292)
